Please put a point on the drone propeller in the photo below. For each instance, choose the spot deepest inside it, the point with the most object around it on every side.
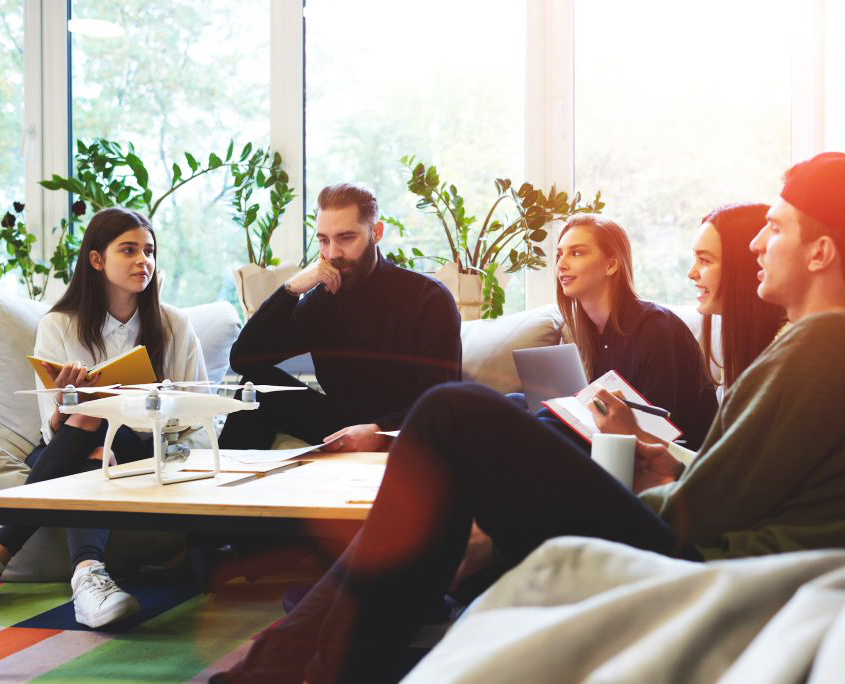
(257, 388)
(168, 384)
(111, 389)
(208, 384)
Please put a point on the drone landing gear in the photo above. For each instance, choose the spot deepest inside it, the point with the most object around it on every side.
(159, 457)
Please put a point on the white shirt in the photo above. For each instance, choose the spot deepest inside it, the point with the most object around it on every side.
(56, 339)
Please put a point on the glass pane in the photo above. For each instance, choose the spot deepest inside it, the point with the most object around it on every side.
(441, 80)
(11, 115)
(679, 108)
(11, 103)
(186, 76)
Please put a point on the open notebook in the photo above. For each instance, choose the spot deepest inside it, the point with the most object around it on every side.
(574, 412)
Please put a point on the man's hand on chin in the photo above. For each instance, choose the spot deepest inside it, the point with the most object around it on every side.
(357, 438)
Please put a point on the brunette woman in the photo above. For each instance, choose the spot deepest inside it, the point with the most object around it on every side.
(110, 306)
(725, 274)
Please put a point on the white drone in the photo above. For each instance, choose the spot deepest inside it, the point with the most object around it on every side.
(159, 407)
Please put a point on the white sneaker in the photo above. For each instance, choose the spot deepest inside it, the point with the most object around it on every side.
(97, 600)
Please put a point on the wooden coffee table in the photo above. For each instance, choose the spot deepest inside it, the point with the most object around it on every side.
(319, 492)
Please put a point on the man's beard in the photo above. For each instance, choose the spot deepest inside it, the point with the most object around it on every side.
(358, 269)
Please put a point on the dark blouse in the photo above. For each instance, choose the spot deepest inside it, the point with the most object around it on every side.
(658, 355)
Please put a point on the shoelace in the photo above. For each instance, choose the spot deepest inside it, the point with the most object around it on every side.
(101, 587)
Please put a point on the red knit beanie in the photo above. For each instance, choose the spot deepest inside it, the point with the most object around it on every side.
(817, 187)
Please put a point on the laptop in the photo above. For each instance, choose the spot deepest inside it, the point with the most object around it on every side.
(547, 372)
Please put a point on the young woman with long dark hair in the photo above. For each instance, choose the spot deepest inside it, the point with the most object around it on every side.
(111, 305)
(725, 274)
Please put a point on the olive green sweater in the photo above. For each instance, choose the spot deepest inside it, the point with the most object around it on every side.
(770, 476)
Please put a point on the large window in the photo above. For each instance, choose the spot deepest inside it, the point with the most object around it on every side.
(679, 107)
(11, 102)
(440, 80)
(171, 77)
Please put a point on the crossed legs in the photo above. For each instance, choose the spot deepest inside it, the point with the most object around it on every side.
(464, 453)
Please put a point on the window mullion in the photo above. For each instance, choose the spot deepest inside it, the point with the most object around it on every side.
(549, 120)
(287, 121)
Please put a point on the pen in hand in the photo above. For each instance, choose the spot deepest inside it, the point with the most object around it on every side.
(645, 408)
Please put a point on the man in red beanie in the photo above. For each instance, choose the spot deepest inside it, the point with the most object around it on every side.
(802, 248)
(769, 478)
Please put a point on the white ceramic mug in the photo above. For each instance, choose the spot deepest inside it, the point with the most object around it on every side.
(615, 453)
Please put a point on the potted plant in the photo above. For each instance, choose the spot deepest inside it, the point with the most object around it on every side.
(34, 273)
(479, 255)
(107, 174)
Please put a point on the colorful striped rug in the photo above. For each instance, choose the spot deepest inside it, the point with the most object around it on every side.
(178, 636)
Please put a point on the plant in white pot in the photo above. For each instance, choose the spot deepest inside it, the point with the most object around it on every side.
(481, 255)
(259, 278)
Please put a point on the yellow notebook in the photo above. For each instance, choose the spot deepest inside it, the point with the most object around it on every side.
(130, 368)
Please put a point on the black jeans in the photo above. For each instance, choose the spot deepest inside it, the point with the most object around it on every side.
(306, 414)
(464, 453)
(67, 454)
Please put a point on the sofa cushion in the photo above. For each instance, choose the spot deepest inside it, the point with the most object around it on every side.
(217, 325)
(488, 344)
(19, 419)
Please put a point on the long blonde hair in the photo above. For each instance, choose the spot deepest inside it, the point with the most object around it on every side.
(613, 242)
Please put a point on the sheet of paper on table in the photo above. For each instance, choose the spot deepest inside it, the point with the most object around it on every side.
(270, 455)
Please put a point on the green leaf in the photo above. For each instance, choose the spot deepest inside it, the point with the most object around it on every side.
(246, 150)
(230, 149)
(538, 235)
(177, 174)
(138, 169)
(192, 162)
(214, 161)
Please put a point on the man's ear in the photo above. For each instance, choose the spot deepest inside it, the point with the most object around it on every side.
(378, 231)
(95, 260)
(823, 254)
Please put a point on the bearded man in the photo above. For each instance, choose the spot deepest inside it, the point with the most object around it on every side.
(379, 335)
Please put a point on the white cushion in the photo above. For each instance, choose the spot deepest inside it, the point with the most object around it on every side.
(488, 344)
(19, 418)
(217, 325)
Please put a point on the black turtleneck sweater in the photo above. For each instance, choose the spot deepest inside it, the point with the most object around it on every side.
(376, 347)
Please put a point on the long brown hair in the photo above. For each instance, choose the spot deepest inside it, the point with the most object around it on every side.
(85, 297)
(613, 242)
(748, 323)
